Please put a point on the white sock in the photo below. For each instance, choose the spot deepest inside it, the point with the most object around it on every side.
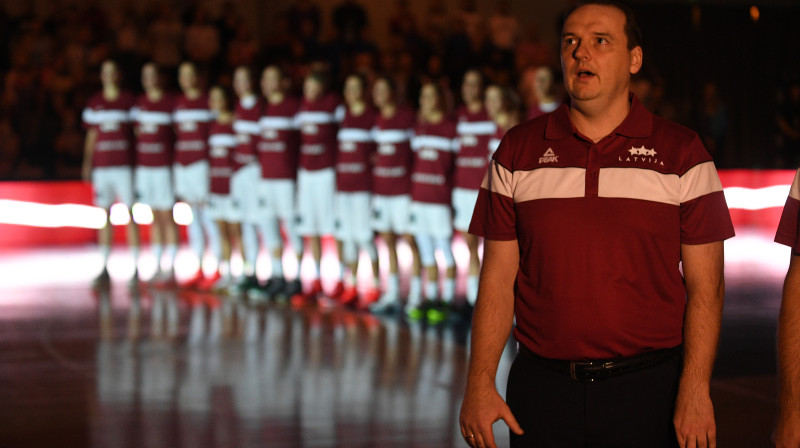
(415, 291)
(157, 249)
(431, 288)
(472, 289)
(277, 266)
(171, 251)
(449, 290)
(225, 269)
(105, 254)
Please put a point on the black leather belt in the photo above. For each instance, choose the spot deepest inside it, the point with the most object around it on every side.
(593, 370)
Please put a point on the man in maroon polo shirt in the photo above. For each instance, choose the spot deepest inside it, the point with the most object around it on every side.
(588, 214)
(787, 425)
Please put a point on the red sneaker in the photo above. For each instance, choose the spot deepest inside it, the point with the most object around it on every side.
(337, 291)
(309, 297)
(207, 283)
(349, 296)
(368, 298)
(192, 282)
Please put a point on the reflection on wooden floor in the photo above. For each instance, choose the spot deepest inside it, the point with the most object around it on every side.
(143, 367)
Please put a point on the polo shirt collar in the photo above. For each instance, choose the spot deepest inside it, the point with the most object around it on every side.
(637, 124)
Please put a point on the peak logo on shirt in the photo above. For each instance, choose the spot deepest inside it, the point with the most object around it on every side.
(642, 155)
(549, 156)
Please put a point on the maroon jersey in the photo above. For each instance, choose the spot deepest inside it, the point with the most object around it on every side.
(112, 121)
(600, 228)
(434, 148)
(245, 125)
(318, 121)
(279, 142)
(221, 143)
(391, 175)
(154, 136)
(474, 132)
(192, 119)
(356, 147)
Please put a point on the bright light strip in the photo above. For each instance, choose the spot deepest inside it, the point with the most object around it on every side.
(33, 214)
(89, 217)
(51, 215)
(756, 198)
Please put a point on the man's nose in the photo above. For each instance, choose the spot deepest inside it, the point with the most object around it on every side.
(581, 52)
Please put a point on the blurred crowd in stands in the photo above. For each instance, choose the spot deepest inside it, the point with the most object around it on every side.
(50, 57)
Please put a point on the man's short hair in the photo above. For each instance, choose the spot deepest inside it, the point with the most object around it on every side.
(632, 30)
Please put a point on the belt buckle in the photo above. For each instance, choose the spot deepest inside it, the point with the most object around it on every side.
(572, 366)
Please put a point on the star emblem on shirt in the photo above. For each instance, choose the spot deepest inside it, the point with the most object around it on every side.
(642, 151)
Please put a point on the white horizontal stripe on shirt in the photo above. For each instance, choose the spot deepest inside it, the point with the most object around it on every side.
(636, 183)
(150, 117)
(277, 123)
(391, 135)
(432, 141)
(476, 128)
(192, 115)
(246, 127)
(227, 140)
(354, 135)
(700, 181)
(315, 117)
(91, 116)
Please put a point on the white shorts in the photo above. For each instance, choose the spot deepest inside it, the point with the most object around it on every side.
(353, 211)
(276, 199)
(111, 183)
(221, 208)
(244, 191)
(391, 214)
(315, 196)
(192, 182)
(464, 204)
(434, 220)
(154, 187)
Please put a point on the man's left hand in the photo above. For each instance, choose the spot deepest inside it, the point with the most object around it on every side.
(694, 419)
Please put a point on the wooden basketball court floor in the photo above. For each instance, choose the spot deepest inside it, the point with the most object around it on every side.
(145, 367)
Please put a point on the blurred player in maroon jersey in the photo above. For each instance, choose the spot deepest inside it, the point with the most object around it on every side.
(192, 118)
(435, 145)
(108, 157)
(152, 114)
(353, 185)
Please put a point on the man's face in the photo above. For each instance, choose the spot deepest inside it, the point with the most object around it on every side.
(270, 81)
(187, 77)
(381, 93)
(353, 90)
(109, 74)
(149, 77)
(542, 82)
(595, 58)
(494, 101)
(312, 88)
(471, 87)
(241, 82)
(428, 99)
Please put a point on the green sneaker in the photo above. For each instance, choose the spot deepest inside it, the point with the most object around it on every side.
(437, 312)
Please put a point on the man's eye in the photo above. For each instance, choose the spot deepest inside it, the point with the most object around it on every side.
(602, 40)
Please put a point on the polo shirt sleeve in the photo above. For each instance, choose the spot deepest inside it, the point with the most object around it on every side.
(788, 230)
(494, 217)
(704, 213)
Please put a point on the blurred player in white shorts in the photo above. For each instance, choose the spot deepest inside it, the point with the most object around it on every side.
(221, 206)
(391, 187)
(153, 178)
(278, 148)
(353, 193)
(108, 158)
(192, 118)
(247, 172)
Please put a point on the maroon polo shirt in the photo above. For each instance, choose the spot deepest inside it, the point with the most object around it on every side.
(600, 227)
(788, 230)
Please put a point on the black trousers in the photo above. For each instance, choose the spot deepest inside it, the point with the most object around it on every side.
(631, 410)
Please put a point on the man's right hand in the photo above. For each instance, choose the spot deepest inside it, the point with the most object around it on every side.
(482, 407)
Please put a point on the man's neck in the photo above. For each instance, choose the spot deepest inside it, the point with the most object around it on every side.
(275, 97)
(192, 94)
(388, 110)
(474, 107)
(111, 92)
(154, 94)
(433, 117)
(595, 120)
(357, 108)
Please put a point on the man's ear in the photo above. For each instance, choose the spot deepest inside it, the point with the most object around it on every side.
(636, 60)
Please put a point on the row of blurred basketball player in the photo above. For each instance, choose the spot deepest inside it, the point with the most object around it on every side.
(353, 166)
